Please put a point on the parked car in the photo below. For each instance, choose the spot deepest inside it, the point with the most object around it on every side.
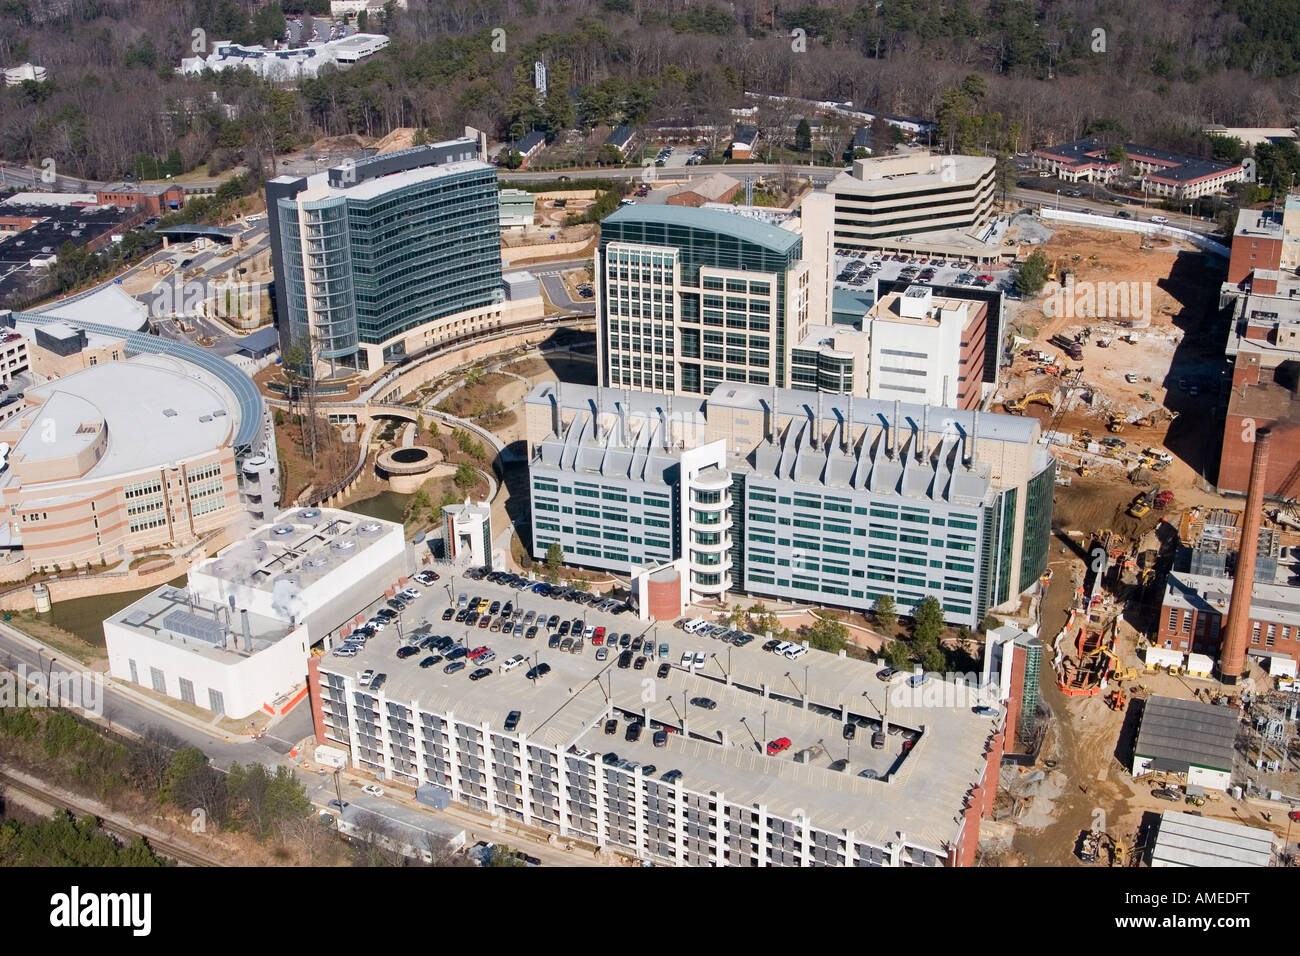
(453, 667)
(850, 731)
(983, 711)
(780, 745)
(535, 673)
(625, 660)
(480, 673)
(660, 738)
(704, 703)
(664, 670)
(700, 658)
(404, 652)
(639, 663)
(512, 721)
(672, 776)
(373, 789)
(430, 661)
(633, 732)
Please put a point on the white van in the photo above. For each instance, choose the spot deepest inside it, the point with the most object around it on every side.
(795, 652)
(694, 624)
(1160, 220)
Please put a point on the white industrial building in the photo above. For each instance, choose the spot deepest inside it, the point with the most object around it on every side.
(1187, 840)
(289, 63)
(1188, 741)
(236, 639)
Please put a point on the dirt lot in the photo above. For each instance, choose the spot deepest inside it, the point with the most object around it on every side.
(1180, 348)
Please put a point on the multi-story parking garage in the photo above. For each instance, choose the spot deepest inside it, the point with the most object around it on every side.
(709, 790)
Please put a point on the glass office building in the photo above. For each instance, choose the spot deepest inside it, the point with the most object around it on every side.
(804, 497)
(690, 298)
(371, 250)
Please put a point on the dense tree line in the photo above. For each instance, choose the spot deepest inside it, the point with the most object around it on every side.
(114, 103)
(64, 841)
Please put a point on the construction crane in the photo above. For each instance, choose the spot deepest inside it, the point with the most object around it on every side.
(1067, 386)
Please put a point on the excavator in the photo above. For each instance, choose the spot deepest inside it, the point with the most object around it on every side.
(1141, 505)
(1017, 405)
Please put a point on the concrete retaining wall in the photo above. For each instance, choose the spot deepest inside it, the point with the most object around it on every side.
(1131, 225)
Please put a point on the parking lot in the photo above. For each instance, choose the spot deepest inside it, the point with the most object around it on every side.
(727, 715)
(857, 270)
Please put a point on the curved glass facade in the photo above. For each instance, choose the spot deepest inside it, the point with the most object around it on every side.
(367, 264)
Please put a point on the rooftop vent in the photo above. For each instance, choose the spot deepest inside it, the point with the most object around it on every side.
(136, 618)
(205, 418)
(219, 413)
(370, 529)
(343, 546)
(169, 412)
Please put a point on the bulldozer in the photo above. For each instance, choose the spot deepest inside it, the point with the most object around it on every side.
(1017, 405)
(1084, 471)
(1115, 426)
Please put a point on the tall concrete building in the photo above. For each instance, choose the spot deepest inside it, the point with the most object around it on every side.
(379, 258)
(918, 202)
(796, 495)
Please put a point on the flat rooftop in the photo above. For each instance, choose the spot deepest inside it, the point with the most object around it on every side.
(908, 172)
(1258, 224)
(1181, 733)
(890, 308)
(108, 305)
(382, 185)
(174, 616)
(305, 543)
(919, 793)
(1279, 603)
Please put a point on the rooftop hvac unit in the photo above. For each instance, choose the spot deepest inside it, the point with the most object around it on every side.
(370, 529)
(282, 529)
(185, 624)
(308, 514)
(315, 566)
(343, 546)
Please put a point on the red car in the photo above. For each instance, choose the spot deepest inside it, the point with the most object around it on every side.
(479, 650)
(485, 620)
(777, 746)
(599, 636)
(985, 278)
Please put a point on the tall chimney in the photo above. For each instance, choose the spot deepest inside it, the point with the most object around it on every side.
(1232, 653)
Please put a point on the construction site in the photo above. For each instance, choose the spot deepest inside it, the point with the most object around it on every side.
(1131, 404)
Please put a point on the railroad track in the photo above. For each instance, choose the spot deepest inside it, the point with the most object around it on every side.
(163, 847)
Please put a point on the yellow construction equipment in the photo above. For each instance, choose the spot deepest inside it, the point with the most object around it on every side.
(1017, 405)
(1116, 424)
(1084, 471)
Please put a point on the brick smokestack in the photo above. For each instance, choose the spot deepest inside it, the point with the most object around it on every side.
(1232, 655)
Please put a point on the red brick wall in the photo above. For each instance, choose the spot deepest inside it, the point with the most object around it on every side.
(970, 369)
(1251, 254)
(1202, 639)
(1234, 464)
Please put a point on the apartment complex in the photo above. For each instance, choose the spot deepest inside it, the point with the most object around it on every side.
(918, 202)
(910, 792)
(383, 257)
(1159, 172)
(688, 298)
(797, 495)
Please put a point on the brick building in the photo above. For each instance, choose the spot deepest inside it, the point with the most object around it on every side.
(1262, 398)
(154, 200)
(1195, 606)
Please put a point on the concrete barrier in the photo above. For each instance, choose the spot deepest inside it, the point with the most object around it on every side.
(1203, 243)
